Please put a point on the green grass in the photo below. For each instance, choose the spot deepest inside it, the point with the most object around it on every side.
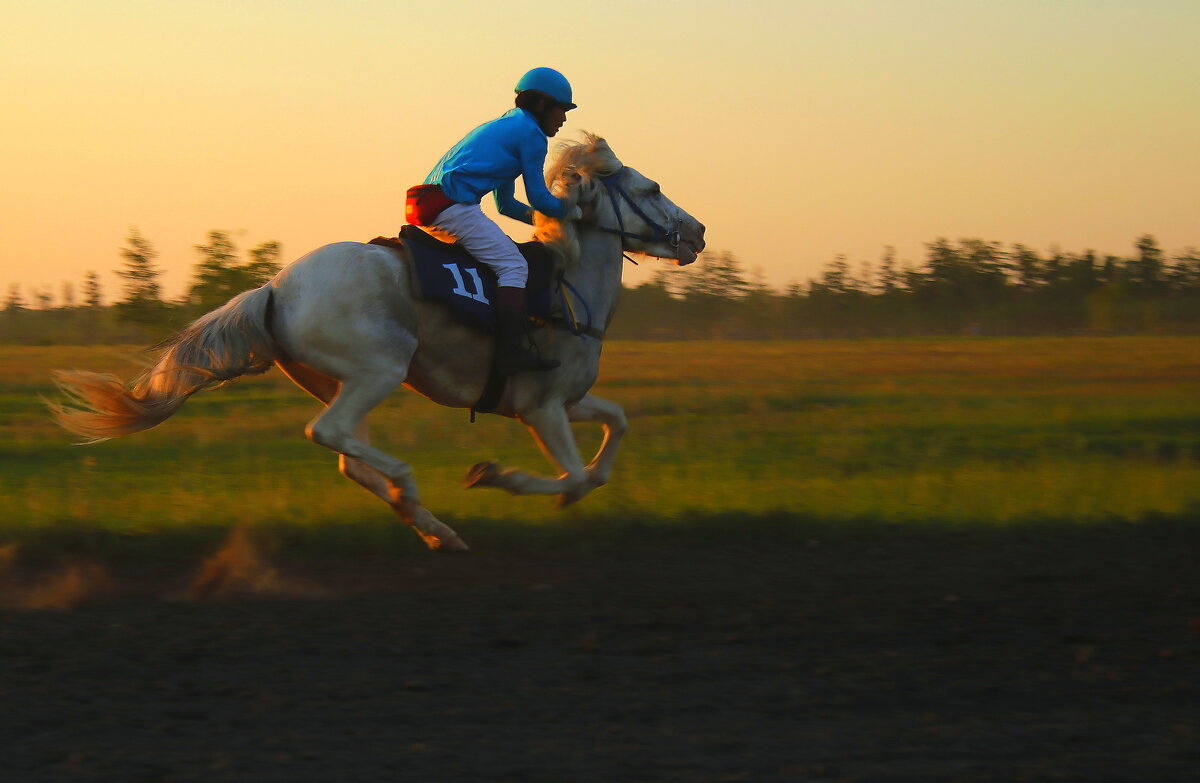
(959, 432)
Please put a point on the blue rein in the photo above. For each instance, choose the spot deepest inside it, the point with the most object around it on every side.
(573, 325)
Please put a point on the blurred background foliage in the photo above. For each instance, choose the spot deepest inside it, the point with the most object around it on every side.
(971, 287)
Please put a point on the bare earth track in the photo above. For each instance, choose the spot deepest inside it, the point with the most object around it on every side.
(867, 653)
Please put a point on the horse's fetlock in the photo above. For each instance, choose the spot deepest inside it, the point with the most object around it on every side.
(574, 482)
(405, 488)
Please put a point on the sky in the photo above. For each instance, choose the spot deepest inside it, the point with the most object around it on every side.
(796, 131)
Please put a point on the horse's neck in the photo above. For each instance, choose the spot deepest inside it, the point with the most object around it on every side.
(596, 273)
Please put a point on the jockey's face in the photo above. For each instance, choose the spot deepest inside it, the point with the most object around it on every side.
(552, 118)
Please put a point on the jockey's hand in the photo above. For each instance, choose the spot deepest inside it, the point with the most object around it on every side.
(586, 213)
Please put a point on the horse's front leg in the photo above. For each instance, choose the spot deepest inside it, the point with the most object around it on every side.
(611, 418)
(552, 431)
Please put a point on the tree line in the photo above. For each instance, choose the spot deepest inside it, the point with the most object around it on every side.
(968, 287)
(140, 314)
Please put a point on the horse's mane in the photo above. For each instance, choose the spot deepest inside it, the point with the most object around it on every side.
(576, 163)
(588, 158)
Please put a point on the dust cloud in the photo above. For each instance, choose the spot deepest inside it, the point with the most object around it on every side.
(240, 568)
(63, 587)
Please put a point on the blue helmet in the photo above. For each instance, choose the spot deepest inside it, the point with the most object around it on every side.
(549, 81)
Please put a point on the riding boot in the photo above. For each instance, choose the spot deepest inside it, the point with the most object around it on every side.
(512, 336)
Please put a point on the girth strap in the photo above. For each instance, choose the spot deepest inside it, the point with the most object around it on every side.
(493, 389)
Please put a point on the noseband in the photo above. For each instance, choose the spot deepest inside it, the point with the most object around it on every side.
(668, 233)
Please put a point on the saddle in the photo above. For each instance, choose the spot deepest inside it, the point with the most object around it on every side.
(447, 273)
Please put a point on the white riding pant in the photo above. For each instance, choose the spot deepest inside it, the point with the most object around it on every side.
(485, 240)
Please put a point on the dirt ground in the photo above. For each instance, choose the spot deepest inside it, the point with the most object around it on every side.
(869, 654)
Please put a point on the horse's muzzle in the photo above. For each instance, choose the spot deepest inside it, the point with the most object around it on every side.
(688, 252)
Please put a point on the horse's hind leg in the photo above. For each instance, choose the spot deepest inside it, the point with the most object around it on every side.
(436, 534)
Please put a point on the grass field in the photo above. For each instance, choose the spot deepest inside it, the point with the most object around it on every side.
(959, 432)
(967, 560)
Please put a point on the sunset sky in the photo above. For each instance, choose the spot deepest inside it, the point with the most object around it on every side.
(796, 130)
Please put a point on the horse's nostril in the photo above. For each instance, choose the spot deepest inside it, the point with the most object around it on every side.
(701, 229)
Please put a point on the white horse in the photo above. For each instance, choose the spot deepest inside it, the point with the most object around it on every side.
(342, 323)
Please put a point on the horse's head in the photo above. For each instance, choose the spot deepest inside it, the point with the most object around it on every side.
(625, 203)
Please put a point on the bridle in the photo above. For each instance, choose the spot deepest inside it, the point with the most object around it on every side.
(668, 233)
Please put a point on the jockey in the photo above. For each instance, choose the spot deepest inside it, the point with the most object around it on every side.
(489, 160)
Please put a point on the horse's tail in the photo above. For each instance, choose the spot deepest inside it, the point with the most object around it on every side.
(228, 342)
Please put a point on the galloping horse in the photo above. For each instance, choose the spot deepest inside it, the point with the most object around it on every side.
(343, 324)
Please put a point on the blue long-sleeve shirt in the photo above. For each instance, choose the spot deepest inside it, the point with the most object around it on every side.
(489, 160)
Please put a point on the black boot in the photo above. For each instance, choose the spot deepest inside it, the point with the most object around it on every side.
(512, 341)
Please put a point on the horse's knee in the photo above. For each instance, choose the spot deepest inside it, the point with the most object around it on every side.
(618, 423)
(611, 417)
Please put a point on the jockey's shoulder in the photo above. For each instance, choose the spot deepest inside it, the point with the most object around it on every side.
(518, 121)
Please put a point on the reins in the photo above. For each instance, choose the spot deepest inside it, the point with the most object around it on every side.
(570, 323)
(668, 233)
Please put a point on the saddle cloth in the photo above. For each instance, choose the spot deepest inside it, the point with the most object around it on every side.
(447, 273)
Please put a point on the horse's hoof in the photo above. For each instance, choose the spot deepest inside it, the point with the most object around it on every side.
(451, 545)
(481, 474)
(444, 543)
